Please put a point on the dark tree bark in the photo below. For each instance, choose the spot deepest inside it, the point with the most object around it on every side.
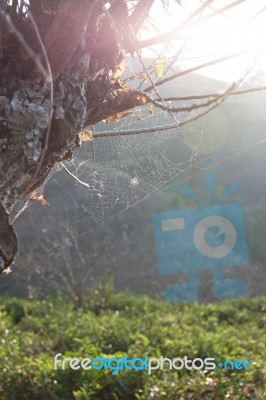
(82, 46)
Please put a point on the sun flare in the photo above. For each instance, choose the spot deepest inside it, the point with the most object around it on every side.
(239, 29)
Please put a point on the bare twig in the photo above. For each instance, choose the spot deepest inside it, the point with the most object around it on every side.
(197, 68)
(50, 82)
(184, 108)
(171, 34)
(218, 101)
(256, 15)
(75, 177)
(206, 96)
(139, 14)
(154, 87)
(182, 48)
(33, 56)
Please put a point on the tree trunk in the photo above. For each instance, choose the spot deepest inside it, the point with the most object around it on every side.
(81, 52)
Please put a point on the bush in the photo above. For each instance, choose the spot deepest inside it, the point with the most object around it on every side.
(118, 324)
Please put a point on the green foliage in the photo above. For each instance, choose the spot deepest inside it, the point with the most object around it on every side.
(117, 324)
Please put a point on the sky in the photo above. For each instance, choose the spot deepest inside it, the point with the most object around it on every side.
(236, 30)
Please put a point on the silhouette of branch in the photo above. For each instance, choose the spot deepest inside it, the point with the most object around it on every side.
(164, 127)
(139, 14)
(171, 34)
(214, 105)
(196, 68)
(206, 96)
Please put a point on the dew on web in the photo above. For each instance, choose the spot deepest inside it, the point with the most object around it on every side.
(130, 159)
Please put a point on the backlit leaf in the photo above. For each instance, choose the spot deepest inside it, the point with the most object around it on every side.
(40, 199)
(116, 116)
(160, 66)
(86, 136)
(120, 69)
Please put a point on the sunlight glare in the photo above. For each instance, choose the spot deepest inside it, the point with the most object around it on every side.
(235, 30)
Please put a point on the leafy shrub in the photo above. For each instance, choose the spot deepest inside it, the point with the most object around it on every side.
(117, 324)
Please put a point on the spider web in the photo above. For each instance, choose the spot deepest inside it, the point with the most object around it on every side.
(117, 170)
(119, 167)
(129, 159)
(122, 170)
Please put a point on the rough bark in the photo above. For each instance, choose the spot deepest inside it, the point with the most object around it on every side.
(83, 94)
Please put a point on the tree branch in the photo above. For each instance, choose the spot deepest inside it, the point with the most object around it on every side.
(206, 96)
(218, 101)
(192, 107)
(164, 127)
(171, 34)
(140, 13)
(197, 67)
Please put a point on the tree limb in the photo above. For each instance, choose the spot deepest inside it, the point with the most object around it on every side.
(139, 14)
(196, 68)
(206, 96)
(171, 34)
